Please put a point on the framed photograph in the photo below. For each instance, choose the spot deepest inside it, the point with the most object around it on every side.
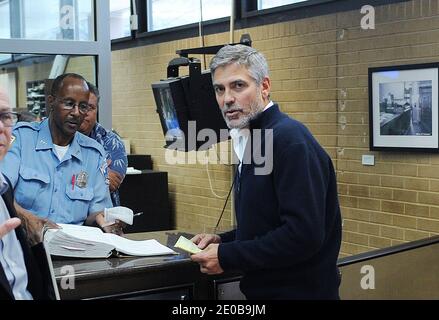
(403, 108)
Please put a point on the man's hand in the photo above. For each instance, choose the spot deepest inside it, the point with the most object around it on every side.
(33, 225)
(8, 226)
(114, 178)
(202, 240)
(208, 260)
(116, 227)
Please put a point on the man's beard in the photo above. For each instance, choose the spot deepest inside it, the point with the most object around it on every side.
(244, 120)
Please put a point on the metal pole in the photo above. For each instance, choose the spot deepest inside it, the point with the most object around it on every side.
(232, 22)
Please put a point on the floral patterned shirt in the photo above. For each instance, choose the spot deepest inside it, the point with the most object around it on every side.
(115, 151)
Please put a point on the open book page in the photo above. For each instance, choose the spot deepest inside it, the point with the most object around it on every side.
(137, 248)
(83, 232)
(91, 242)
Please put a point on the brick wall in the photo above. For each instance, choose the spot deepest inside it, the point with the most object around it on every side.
(319, 69)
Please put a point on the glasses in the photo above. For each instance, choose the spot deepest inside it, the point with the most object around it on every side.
(92, 107)
(70, 105)
(9, 119)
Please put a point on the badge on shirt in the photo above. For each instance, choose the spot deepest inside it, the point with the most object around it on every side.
(81, 179)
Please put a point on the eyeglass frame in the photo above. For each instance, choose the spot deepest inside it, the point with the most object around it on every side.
(92, 107)
(13, 123)
(64, 107)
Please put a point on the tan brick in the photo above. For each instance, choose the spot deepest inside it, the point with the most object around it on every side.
(359, 191)
(381, 218)
(416, 184)
(326, 60)
(404, 221)
(405, 196)
(417, 210)
(392, 206)
(428, 171)
(371, 204)
(342, 189)
(350, 225)
(369, 179)
(355, 214)
(355, 238)
(368, 228)
(347, 201)
(428, 198)
(434, 212)
(393, 182)
(381, 193)
(392, 232)
(428, 225)
(379, 242)
(405, 170)
(412, 235)
(434, 185)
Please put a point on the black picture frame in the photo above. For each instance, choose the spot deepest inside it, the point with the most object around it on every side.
(403, 108)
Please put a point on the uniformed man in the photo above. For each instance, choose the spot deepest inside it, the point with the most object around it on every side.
(24, 270)
(59, 174)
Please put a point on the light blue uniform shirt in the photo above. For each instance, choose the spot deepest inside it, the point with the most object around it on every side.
(51, 188)
(11, 254)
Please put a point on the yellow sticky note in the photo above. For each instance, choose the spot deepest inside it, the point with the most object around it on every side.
(187, 245)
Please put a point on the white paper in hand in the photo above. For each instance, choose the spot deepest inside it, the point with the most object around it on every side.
(118, 213)
(187, 245)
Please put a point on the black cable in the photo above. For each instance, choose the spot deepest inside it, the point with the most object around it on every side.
(227, 199)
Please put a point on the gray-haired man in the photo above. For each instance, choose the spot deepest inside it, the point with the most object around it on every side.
(288, 233)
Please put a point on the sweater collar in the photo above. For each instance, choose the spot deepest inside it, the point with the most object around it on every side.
(265, 117)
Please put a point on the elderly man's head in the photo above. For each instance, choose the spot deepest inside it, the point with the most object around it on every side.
(68, 105)
(7, 120)
(92, 115)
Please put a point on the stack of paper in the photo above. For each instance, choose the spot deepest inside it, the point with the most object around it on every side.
(90, 242)
(187, 245)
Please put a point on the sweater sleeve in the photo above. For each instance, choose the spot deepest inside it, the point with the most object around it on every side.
(228, 236)
(300, 178)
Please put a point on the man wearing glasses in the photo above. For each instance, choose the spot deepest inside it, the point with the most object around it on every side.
(115, 150)
(58, 174)
(24, 272)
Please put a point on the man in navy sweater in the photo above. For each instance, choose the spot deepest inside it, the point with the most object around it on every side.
(288, 233)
